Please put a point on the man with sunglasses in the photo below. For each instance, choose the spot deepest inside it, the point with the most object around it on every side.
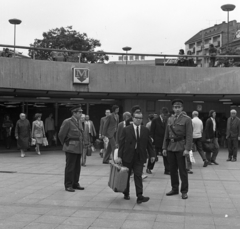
(176, 145)
(71, 137)
(135, 142)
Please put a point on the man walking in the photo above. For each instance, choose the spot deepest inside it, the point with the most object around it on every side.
(121, 125)
(102, 121)
(211, 137)
(233, 135)
(197, 136)
(176, 146)
(109, 131)
(71, 137)
(134, 144)
(158, 128)
(49, 128)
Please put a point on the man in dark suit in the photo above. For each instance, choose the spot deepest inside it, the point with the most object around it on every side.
(233, 135)
(102, 121)
(158, 128)
(134, 146)
(211, 136)
(109, 131)
(121, 125)
(71, 137)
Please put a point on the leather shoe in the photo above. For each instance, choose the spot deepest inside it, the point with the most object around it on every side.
(126, 197)
(184, 196)
(190, 172)
(171, 193)
(167, 173)
(148, 171)
(234, 159)
(215, 163)
(69, 189)
(78, 187)
(205, 164)
(229, 159)
(142, 199)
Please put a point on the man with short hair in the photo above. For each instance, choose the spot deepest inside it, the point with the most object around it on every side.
(134, 147)
(121, 125)
(158, 128)
(109, 131)
(176, 146)
(91, 127)
(71, 137)
(102, 121)
(233, 135)
(197, 136)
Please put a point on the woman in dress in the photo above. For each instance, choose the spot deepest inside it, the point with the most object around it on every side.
(38, 132)
(7, 127)
(23, 133)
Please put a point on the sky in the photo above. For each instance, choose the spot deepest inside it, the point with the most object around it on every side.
(153, 26)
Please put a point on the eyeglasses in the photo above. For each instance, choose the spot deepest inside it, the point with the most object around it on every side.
(138, 118)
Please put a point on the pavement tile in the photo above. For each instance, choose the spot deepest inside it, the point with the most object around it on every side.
(142, 216)
(41, 226)
(23, 218)
(87, 214)
(50, 219)
(133, 224)
(195, 226)
(36, 210)
(61, 212)
(160, 225)
(83, 222)
(200, 220)
(5, 224)
(113, 215)
(170, 218)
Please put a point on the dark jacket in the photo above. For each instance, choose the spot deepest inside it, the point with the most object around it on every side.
(233, 129)
(128, 141)
(71, 136)
(158, 130)
(110, 126)
(121, 125)
(209, 133)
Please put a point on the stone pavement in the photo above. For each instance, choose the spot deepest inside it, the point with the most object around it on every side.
(32, 196)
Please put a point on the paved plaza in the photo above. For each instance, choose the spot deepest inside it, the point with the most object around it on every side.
(32, 195)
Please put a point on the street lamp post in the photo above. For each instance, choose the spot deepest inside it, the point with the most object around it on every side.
(228, 7)
(15, 22)
(126, 49)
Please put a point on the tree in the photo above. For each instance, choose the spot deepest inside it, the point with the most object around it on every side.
(70, 39)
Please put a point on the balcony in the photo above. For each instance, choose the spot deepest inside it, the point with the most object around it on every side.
(198, 48)
(206, 46)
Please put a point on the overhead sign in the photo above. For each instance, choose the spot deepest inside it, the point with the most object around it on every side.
(80, 75)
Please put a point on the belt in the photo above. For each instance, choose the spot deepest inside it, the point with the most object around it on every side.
(176, 139)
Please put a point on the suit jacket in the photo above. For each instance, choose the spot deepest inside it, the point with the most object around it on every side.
(158, 130)
(92, 129)
(102, 121)
(128, 142)
(110, 126)
(209, 133)
(71, 136)
(121, 125)
(233, 128)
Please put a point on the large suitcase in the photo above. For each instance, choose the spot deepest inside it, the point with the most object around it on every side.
(118, 177)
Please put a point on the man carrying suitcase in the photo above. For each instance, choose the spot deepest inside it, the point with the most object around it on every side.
(135, 142)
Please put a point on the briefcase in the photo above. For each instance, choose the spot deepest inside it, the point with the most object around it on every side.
(118, 177)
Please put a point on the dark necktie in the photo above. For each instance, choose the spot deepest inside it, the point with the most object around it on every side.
(137, 136)
(83, 126)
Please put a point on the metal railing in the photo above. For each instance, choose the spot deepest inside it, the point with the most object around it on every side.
(118, 53)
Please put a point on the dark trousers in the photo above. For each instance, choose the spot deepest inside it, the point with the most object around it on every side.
(137, 167)
(8, 140)
(212, 62)
(150, 165)
(72, 169)
(177, 162)
(232, 147)
(198, 143)
(50, 134)
(211, 156)
(110, 149)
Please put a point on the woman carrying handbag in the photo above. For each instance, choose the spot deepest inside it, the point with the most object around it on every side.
(38, 132)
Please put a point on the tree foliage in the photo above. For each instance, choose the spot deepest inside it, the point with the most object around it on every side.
(71, 40)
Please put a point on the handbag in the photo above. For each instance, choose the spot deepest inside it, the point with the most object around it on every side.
(89, 151)
(45, 142)
(33, 142)
(208, 147)
(188, 162)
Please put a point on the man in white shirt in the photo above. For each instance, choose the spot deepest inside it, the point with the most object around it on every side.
(197, 136)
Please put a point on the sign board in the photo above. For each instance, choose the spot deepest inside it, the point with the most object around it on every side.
(80, 75)
(199, 107)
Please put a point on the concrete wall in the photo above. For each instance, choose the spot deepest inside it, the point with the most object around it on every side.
(46, 75)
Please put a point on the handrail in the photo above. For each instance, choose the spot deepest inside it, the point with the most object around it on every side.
(115, 53)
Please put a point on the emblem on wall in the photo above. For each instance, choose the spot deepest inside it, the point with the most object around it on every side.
(80, 75)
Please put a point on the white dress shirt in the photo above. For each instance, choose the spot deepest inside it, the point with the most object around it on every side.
(214, 124)
(135, 130)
